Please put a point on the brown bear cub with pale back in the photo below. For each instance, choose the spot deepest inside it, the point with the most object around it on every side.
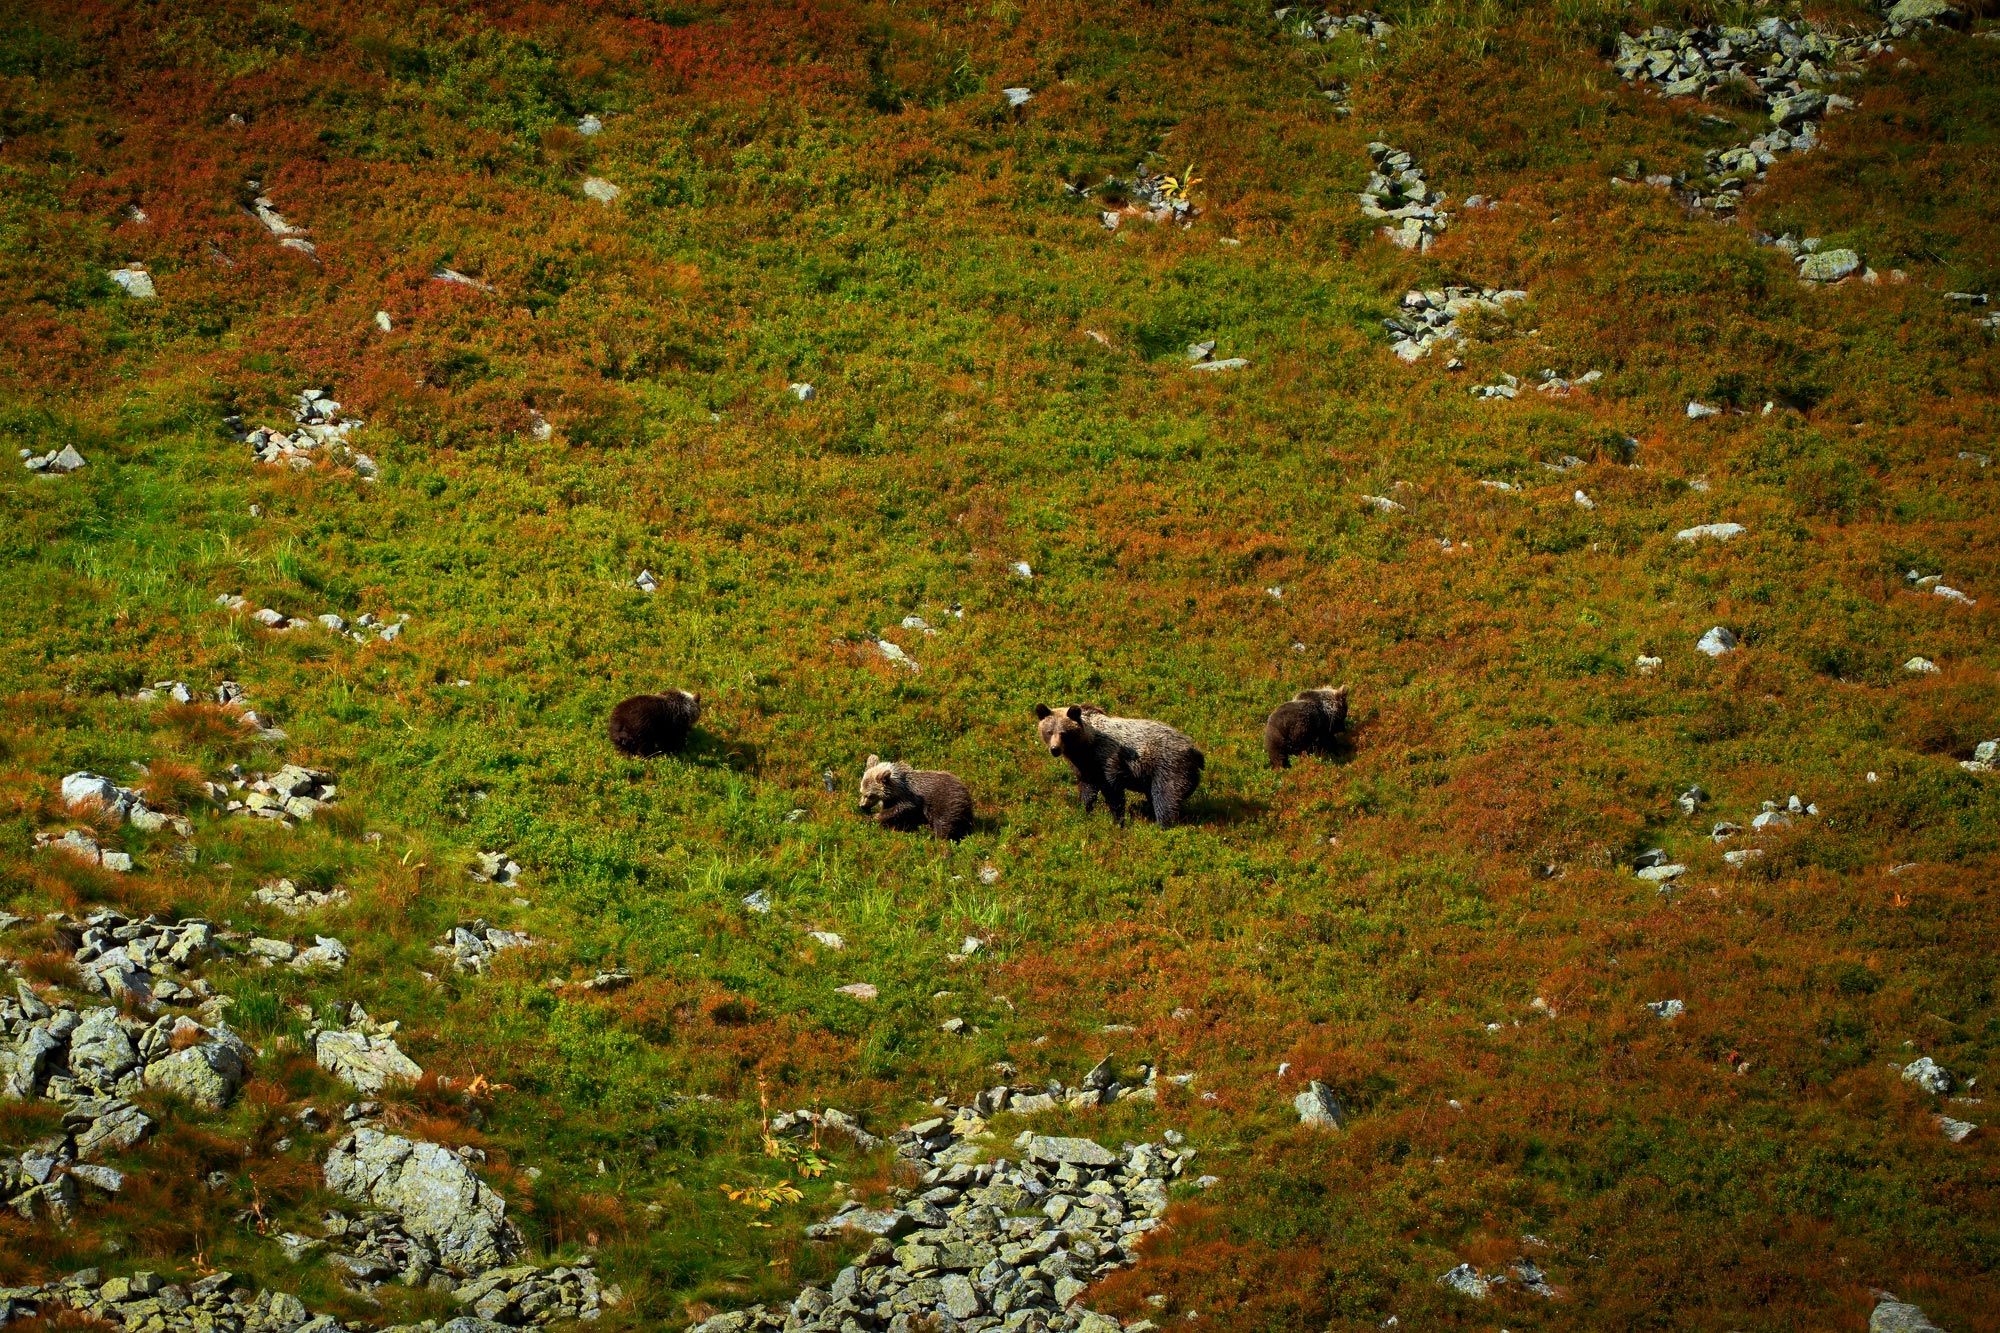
(650, 724)
(1307, 723)
(1113, 755)
(907, 799)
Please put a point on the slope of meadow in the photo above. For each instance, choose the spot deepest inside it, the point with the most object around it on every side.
(837, 194)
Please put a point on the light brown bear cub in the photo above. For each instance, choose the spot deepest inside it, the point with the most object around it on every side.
(908, 799)
(1113, 755)
(1307, 723)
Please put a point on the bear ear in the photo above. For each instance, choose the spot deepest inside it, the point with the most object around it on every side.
(1074, 713)
(873, 760)
(1041, 711)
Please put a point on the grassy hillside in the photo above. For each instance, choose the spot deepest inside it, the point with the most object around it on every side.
(838, 194)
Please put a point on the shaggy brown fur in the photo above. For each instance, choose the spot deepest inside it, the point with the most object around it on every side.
(650, 724)
(1114, 755)
(1308, 723)
(908, 799)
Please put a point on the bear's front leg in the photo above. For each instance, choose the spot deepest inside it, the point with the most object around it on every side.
(1086, 795)
(1114, 801)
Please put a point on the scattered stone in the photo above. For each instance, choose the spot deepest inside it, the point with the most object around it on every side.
(1018, 97)
(57, 462)
(601, 190)
(384, 322)
(134, 281)
(292, 900)
(803, 392)
(646, 582)
(1381, 504)
(1583, 501)
(1716, 642)
(1427, 320)
(1774, 60)
(457, 279)
(589, 126)
(1721, 532)
(292, 794)
(859, 990)
(1666, 1010)
(1648, 665)
(1326, 25)
(1227, 363)
(1661, 874)
(989, 1243)
(1922, 666)
(1742, 856)
(758, 902)
(493, 868)
(1531, 1278)
(1696, 411)
(1958, 1131)
(472, 947)
(1396, 191)
(1985, 758)
(1466, 1281)
(322, 434)
(1153, 195)
(828, 939)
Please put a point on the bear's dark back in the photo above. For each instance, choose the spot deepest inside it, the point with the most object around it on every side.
(650, 724)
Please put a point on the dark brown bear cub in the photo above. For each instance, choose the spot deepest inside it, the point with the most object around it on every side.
(1113, 755)
(908, 799)
(1308, 723)
(650, 724)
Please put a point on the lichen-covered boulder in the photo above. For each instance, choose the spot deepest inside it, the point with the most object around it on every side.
(435, 1193)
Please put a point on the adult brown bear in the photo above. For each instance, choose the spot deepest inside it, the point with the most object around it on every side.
(1114, 755)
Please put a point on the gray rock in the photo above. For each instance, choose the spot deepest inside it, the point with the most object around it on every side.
(1318, 1108)
(206, 1074)
(100, 1052)
(1894, 1316)
(134, 281)
(1078, 1152)
(601, 190)
(1721, 532)
(1666, 1010)
(1716, 642)
(368, 1064)
(1958, 1131)
(1466, 1281)
(432, 1191)
(1929, 1075)
(1829, 265)
(1916, 12)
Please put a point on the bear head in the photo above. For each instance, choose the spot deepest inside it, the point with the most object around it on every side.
(1058, 728)
(879, 780)
(1326, 696)
(692, 699)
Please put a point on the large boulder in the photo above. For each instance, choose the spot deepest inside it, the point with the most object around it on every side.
(207, 1074)
(100, 1050)
(432, 1190)
(364, 1063)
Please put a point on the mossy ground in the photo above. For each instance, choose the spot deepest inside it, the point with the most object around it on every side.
(837, 194)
